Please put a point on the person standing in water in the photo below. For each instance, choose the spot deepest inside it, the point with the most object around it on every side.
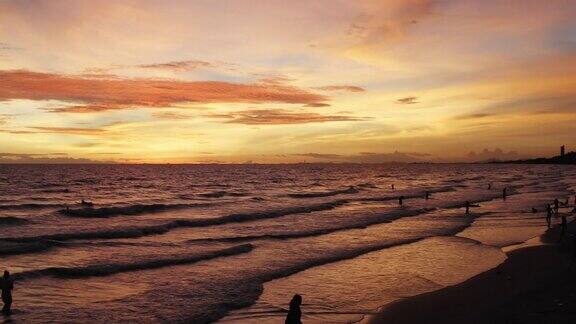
(294, 313)
(548, 215)
(504, 193)
(400, 200)
(556, 206)
(489, 186)
(467, 205)
(392, 186)
(427, 195)
(7, 286)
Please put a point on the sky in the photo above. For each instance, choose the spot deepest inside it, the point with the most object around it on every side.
(275, 81)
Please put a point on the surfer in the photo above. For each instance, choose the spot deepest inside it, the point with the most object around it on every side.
(7, 286)
(294, 313)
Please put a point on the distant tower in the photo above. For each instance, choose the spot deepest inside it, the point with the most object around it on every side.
(562, 150)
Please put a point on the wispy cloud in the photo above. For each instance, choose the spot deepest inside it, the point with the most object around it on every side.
(170, 115)
(58, 158)
(472, 116)
(371, 157)
(70, 130)
(279, 117)
(178, 65)
(407, 100)
(347, 88)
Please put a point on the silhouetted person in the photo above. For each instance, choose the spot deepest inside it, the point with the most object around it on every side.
(548, 215)
(504, 193)
(7, 286)
(294, 313)
(427, 195)
(489, 186)
(392, 186)
(534, 210)
(556, 206)
(467, 205)
(563, 226)
(400, 200)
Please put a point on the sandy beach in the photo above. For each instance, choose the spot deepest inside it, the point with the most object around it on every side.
(534, 285)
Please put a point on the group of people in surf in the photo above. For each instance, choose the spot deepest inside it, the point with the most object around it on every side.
(553, 210)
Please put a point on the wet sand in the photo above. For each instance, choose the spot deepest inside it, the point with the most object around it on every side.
(534, 285)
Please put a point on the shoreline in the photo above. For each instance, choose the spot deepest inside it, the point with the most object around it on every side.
(533, 285)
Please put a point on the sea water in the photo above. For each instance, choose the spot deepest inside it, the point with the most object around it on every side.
(233, 243)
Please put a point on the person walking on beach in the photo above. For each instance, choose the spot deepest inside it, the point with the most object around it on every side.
(548, 215)
(556, 206)
(563, 226)
(7, 285)
(294, 313)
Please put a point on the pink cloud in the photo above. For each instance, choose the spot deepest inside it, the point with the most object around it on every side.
(100, 94)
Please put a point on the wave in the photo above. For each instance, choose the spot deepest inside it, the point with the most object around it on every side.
(255, 286)
(367, 185)
(65, 190)
(13, 248)
(419, 194)
(137, 209)
(113, 268)
(132, 232)
(29, 206)
(351, 190)
(9, 220)
(384, 218)
(220, 194)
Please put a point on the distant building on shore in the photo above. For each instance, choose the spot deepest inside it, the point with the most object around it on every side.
(562, 150)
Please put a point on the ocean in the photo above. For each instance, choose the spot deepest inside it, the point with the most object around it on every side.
(234, 243)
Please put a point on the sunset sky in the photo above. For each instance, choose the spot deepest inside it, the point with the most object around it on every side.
(270, 81)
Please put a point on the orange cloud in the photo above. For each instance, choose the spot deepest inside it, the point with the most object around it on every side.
(279, 117)
(94, 95)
